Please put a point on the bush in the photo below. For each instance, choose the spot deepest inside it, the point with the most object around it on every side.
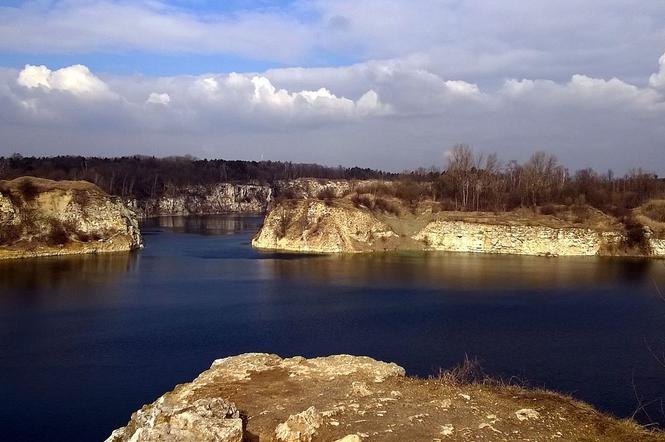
(548, 210)
(362, 200)
(81, 197)
(9, 234)
(467, 373)
(283, 226)
(286, 194)
(655, 210)
(376, 189)
(29, 190)
(59, 232)
(410, 191)
(386, 206)
(326, 194)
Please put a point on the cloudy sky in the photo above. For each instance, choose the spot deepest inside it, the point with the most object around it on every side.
(382, 83)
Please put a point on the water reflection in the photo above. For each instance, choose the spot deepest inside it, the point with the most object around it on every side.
(203, 225)
(76, 275)
(464, 271)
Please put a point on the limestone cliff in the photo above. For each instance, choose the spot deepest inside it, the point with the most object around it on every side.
(42, 218)
(313, 226)
(346, 398)
(338, 225)
(206, 200)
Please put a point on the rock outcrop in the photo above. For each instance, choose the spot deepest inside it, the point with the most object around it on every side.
(263, 397)
(337, 225)
(220, 198)
(460, 236)
(43, 218)
(206, 200)
(312, 226)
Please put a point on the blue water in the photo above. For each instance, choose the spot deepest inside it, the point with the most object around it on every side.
(85, 341)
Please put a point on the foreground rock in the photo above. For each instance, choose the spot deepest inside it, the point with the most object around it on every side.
(347, 398)
(340, 225)
(41, 217)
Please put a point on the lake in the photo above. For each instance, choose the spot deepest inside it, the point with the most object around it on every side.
(87, 340)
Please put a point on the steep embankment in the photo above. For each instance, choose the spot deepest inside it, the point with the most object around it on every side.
(207, 200)
(42, 218)
(223, 198)
(340, 225)
(349, 398)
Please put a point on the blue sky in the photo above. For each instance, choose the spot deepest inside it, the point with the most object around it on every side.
(381, 83)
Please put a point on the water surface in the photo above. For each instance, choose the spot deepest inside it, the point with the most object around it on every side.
(88, 340)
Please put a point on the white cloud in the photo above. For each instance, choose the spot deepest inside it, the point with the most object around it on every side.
(156, 98)
(657, 80)
(382, 114)
(476, 40)
(76, 79)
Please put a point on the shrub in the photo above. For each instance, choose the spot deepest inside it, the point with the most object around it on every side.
(59, 232)
(362, 200)
(376, 189)
(81, 197)
(326, 194)
(10, 233)
(386, 206)
(29, 190)
(283, 226)
(286, 194)
(655, 210)
(468, 372)
(410, 191)
(548, 210)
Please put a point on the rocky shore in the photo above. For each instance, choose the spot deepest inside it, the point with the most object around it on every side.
(41, 217)
(262, 397)
(338, 225)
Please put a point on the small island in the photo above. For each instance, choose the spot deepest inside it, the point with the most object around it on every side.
(40, 217)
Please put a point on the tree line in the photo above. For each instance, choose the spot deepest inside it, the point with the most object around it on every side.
(470, 181)
(478, 182)
(147, 177)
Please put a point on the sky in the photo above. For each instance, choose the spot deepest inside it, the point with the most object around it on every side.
(388, 84)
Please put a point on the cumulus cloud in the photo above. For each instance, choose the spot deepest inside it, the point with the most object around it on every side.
(76, 79)
(386, 114)
(657, 80)
(155, 98)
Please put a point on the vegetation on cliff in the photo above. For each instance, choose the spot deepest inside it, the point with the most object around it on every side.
(42, 217)
(373, 216)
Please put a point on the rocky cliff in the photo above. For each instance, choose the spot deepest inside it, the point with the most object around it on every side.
(42, 218)
(349, 398)
(223, 198)
(338, 225)
(207, 200)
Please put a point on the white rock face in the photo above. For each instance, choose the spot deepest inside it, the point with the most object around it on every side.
(299, 427)
(313, 226)
(460, 236)
(258, 396)
(206, 200)
(214, 420)
(94, 222)
(195, 412)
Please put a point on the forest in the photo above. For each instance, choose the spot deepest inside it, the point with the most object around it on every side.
(148, 177)
(470, 181)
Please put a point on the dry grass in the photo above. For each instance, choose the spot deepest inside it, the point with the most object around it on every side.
(652, 215)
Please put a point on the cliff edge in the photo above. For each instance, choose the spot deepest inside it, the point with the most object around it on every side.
(41, 217)
(352, 225)
(346, 398)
